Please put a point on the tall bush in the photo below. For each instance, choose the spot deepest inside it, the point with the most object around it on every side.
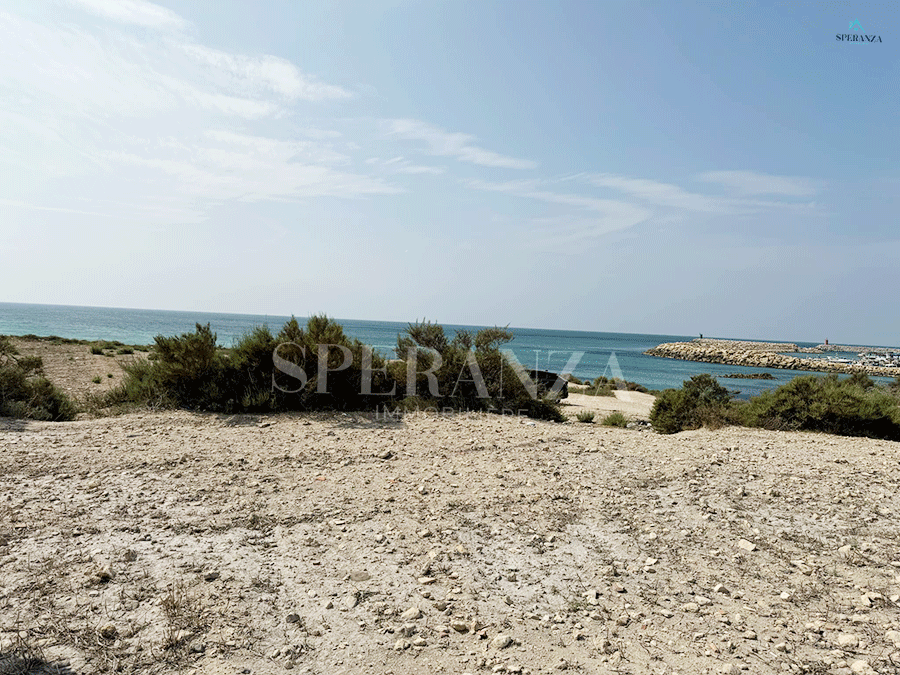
(472, 375)
(700, 401)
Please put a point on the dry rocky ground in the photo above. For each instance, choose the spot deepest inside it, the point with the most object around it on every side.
(174, 542)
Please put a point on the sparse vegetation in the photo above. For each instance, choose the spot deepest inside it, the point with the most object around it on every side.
(96, 379)
(700, 401)
(615, 419)
(585, 416)
(25, 392)
(469, 372)
(605, 386)
(853, 406)
(318, 367)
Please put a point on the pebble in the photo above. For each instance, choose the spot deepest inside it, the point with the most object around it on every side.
(502, 641)
(108, 631)
(412, 614)
(292, 618)
(746, 545)
(847, 641)
(861, 667)
(802, 566)
(360, 576)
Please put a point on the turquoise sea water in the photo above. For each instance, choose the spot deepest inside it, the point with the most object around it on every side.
(609, 354)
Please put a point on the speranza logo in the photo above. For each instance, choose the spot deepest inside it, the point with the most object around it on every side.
(857, 35)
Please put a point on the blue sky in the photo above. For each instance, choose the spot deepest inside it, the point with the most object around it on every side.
(658, 167)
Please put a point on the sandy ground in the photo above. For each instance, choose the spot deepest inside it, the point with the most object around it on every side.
(633, 404)
(178, 542)
(73, 368)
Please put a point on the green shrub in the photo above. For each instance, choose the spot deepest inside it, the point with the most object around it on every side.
(498, 389)
(701, 401)
(413, 404)
(669, 412)
(850, 407)
(599, 390)
(606, 386)
(585, 416)
(190, 371)
(125, 350)
(138, 387)
(615, 419)
(96, 379)
(95, 349)
(25, 392)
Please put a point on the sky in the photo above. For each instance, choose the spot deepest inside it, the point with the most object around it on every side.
(725, 168)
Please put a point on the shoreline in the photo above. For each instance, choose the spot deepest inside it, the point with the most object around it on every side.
(760, 355)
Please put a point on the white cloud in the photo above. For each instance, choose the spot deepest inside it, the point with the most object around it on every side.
(753, 183)
(662, 194)
(267, 73)
(403, 165)
(612, 214)
(137, 12)
(247, 168)
(417, 169)
(161, 124)
(450, 144)
(34, 207)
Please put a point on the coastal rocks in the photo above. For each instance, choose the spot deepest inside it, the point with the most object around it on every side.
(760, 355)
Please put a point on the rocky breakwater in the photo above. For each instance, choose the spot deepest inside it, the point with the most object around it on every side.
(759, 355)
(821, 349)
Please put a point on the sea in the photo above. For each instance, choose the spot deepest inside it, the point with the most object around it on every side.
(585, 354)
